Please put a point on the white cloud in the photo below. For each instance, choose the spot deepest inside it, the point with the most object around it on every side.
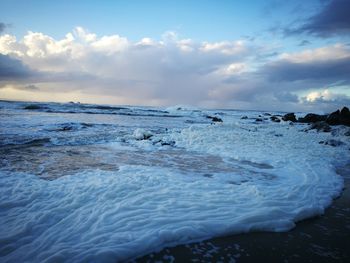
(186, 45)
(225, 47)
(145, 42)
(9, 45)
(84, 35)
(232, 69)
(323, 95)
(38, 45)
(315, 95)
(110, 44)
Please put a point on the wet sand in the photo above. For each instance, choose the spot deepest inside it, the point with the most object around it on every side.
(321, 239)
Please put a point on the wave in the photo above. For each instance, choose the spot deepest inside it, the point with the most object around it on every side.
(25, 142)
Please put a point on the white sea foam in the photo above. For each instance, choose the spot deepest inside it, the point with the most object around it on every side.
(142, 134)
(268, 176)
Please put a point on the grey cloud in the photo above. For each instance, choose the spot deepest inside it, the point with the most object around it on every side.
(273, 85)
(333, 19)
(13, 69)
(284, 96)
(330, 71)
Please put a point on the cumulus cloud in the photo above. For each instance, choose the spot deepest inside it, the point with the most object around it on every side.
(332, 20)
(326, 100)
(113, 69)
(171, 70)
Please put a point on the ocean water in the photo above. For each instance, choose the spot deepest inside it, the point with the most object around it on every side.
(92, 183)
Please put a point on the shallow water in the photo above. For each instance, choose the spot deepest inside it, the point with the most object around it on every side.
(96, 183)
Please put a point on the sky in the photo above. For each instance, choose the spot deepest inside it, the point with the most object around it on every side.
(263, 55)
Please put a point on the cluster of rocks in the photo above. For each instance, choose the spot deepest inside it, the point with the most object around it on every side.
(317, 121)
(289, 117)
(322, 122)
(275, 118)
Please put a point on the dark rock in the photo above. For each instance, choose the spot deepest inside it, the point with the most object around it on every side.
(345, 111)
(311, 118)
(147, 136)
(339, 117)
(321, 126)
(334, 118)
(267, 114)
(32, 107)
(171, 143)
(260, 119)
(214, 119)
(244, 117)
(66, 128)
(333, 143)
(289, 117)
(275, 119)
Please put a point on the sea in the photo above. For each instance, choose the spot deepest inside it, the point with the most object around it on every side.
(105, 183)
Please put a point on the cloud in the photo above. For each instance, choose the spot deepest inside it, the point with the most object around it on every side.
(30, 87)
(326, 100)
(13, 69)
(331, 20)
(170, 70)
(328, 64)
(112, 69)
(277, 83)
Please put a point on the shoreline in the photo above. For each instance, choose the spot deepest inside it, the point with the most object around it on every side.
(323, 238)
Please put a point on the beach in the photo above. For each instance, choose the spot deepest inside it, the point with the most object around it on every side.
(324, 238)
